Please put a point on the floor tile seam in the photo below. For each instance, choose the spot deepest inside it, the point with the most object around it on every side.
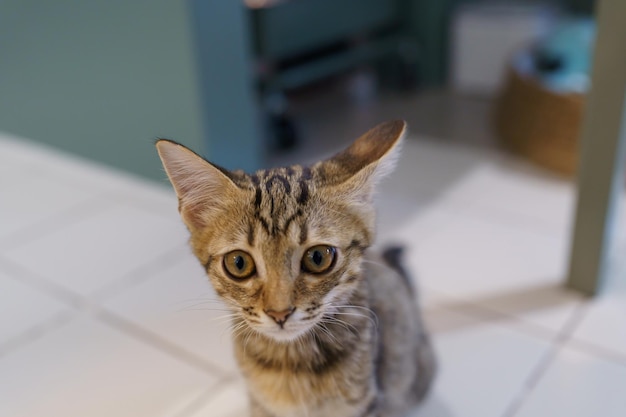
(488, 314)
(206, 397)
(200, 401)
(151, 338)
(24, 275)
(531, 381)
(596, 350)
(82, 304)
(547, 361)
(168, 258)
(503, 321)
(36, 332)
(141, 273)
(57, 221)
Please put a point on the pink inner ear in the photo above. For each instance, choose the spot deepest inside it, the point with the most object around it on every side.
(201, 187)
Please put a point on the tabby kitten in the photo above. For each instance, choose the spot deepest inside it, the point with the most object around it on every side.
(323, 327)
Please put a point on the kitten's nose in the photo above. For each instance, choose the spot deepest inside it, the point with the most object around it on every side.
(280, 317)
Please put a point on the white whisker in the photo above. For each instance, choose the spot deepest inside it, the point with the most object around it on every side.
(369, 261)
(345, 325)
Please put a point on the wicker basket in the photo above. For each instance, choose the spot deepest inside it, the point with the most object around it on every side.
(539, 124)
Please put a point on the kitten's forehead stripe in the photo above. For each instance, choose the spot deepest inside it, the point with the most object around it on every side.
(290, 220)
(258, 196)
(304, 186)
(306, 173)
(304, 231)
(277, 177)
(251, 234)
(265, 225)
(278, 195)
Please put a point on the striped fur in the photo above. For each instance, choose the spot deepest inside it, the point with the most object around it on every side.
(353, 343)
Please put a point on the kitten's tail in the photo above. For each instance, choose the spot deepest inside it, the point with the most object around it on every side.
(394, 258)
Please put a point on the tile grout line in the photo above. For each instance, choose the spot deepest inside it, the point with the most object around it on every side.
(93, 205)
(165, 260)
(199, 401)
(155, 340)
(488, 314)
(535, 376)
(36, 332)
(87, 306)
(598, 351)
(484, 313)
(544, 364)
(59, 292)
(213, 391)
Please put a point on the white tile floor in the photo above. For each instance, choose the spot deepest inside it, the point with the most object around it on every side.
(104, 312)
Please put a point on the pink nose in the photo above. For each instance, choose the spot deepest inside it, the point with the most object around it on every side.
(280, 317)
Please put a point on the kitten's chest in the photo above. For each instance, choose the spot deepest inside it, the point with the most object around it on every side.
(343, 388)
(293, 395)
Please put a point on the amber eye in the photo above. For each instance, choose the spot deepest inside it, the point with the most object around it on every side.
(239, 264)
(319, 259)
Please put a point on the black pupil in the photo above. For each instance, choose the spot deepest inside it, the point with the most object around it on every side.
(317, 257)
(240, 262)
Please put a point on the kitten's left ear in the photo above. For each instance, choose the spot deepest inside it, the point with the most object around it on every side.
(362, 165)
(202, 188)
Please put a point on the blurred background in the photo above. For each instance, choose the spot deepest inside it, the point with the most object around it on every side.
(246, 84)
(509, 195)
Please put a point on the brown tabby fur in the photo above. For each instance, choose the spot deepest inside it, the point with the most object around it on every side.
(355, 345)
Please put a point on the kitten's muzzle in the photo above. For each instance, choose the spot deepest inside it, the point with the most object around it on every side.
(280, 317)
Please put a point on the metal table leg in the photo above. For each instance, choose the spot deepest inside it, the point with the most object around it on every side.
(603, 152)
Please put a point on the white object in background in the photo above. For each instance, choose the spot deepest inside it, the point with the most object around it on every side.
(484, 37)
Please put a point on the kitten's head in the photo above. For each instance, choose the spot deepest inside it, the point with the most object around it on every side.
(283, 247)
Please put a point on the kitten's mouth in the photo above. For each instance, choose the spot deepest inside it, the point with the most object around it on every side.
(288, 332)
(284, 336)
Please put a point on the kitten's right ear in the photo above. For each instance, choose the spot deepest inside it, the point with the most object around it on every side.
(201, 187)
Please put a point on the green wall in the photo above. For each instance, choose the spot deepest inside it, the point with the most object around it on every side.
(100, 78)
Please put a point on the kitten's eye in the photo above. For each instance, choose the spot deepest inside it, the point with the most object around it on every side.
(319, 259)
(239, 264)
